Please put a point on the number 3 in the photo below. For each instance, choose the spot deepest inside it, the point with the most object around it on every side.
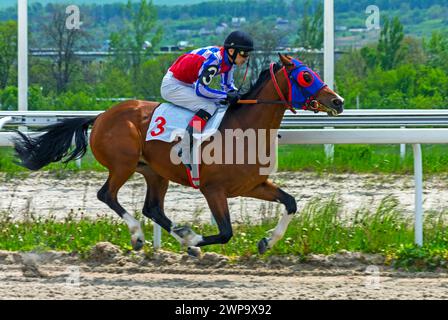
(208, 74)
(160, 125)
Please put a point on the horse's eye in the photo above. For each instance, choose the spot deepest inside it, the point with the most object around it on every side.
(308, 78)
(305, 79)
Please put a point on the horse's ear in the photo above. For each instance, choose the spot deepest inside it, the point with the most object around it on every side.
(285, 60)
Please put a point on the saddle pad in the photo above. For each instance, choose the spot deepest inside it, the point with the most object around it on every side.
(169, 121)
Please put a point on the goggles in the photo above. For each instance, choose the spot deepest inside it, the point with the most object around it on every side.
(243, 53)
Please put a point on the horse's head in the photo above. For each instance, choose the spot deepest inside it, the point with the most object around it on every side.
(308, 91)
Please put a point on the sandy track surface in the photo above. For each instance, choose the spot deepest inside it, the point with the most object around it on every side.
(43, 194)
(108, 274)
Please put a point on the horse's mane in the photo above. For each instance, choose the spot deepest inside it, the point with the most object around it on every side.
(255, 89)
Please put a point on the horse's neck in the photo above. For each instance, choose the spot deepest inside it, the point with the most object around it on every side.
(263, 116)
(269, 116)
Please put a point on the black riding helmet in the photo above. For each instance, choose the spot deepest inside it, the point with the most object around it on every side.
(240, 41)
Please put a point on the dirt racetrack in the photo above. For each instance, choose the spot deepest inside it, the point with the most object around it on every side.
(109, 274)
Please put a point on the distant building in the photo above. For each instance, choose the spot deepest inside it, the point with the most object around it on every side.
(340, 28)
(205, 32)
(169, 48)
(282, 24)
(357, 30)
(106, 45)
(222, 28)
(182, 45)
(238, 21)
(282, 21)
(184, 32)
(147, 45)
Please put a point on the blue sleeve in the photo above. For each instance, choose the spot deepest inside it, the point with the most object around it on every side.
(227, 82)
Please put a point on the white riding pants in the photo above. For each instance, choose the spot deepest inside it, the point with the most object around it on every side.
(184, 95)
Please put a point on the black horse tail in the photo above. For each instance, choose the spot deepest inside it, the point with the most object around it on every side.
(54, 145)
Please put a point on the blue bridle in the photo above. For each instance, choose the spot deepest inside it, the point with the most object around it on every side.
(302, 93)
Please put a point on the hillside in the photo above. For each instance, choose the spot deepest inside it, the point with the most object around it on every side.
(198, 23)
(10, 3)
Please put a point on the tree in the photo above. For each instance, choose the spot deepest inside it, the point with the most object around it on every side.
(128, 44)
(437, 50)
(390, 50)
(153, 71)
(370, 56)
(311, 35)
(311, 30)
(64, 41)
(266, 39)
(413, 52)
(389, 45)
(8, 50)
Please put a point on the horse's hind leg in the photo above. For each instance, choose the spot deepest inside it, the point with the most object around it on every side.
(217, 201)
(155, 196)
(108, 194)
(117, 146)
(270, 192)
(157, 187)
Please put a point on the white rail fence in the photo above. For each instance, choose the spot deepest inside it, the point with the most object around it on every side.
(386, 118)
(414, 136)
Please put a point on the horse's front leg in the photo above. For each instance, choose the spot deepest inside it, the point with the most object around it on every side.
(270, 192)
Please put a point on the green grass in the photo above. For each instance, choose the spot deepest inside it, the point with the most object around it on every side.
(347, 158)
(7, 164)
(320, 228)
(361, 159)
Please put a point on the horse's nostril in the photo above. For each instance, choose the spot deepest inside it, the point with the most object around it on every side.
(337, 102)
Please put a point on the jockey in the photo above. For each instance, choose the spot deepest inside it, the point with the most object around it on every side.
(187, 81)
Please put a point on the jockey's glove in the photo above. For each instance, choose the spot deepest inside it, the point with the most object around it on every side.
(233, 97)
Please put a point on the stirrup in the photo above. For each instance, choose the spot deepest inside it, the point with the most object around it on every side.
(192, 169)
(180, 155)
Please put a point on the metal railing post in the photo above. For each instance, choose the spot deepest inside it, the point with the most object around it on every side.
(329, 149)
(418, 176)
(402, 148)
(157, 236)
(77, 161)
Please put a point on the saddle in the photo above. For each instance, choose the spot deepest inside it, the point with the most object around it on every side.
(168, 123)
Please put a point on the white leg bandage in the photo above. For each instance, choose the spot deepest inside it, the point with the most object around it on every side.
(134, 227)
(280, 229)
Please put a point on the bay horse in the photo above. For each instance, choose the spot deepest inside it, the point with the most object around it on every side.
(118, 142)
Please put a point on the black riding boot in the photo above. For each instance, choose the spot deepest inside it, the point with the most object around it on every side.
(196, 125)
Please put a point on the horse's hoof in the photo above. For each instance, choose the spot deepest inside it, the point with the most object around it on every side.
(194, 252)
(262, 246)
(137, 244)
